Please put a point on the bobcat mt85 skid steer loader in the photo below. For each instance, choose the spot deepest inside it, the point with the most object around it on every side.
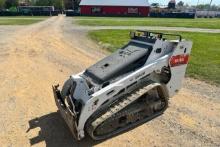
(127, 88)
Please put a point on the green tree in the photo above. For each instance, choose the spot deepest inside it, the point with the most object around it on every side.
(203, 6)
(2, 4)
(11, 3)
(214, 8)
(180, 4)
(42, 3)
(58, 4)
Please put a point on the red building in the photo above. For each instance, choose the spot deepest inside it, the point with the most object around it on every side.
(114, 7)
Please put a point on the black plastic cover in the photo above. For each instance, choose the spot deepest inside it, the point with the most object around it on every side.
(129, 58)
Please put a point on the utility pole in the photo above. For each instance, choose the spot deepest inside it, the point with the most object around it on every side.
(72, 4)
(210, 4)
(198, 3)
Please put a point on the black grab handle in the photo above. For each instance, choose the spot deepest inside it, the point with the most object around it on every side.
(160, 35)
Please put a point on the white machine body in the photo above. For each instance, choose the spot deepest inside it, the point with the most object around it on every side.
(173, 55)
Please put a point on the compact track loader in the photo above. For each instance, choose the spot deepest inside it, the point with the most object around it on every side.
(127, 88)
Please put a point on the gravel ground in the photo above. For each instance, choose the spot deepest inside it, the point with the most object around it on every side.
(34, 57)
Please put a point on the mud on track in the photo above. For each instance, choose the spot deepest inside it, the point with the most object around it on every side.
(33, 58)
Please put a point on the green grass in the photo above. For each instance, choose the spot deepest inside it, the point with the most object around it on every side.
(213, 23)
(20, 20)
(204, 61)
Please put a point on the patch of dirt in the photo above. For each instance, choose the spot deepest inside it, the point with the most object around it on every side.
(39, 55)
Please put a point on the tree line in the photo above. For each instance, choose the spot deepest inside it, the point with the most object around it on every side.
(58, 4)
(200, 6)
(8, 3)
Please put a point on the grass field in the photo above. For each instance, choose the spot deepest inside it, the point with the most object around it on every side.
(20, 20)
(205, 58)
(213, 23)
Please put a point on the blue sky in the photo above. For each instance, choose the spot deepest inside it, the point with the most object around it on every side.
(190, 2)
